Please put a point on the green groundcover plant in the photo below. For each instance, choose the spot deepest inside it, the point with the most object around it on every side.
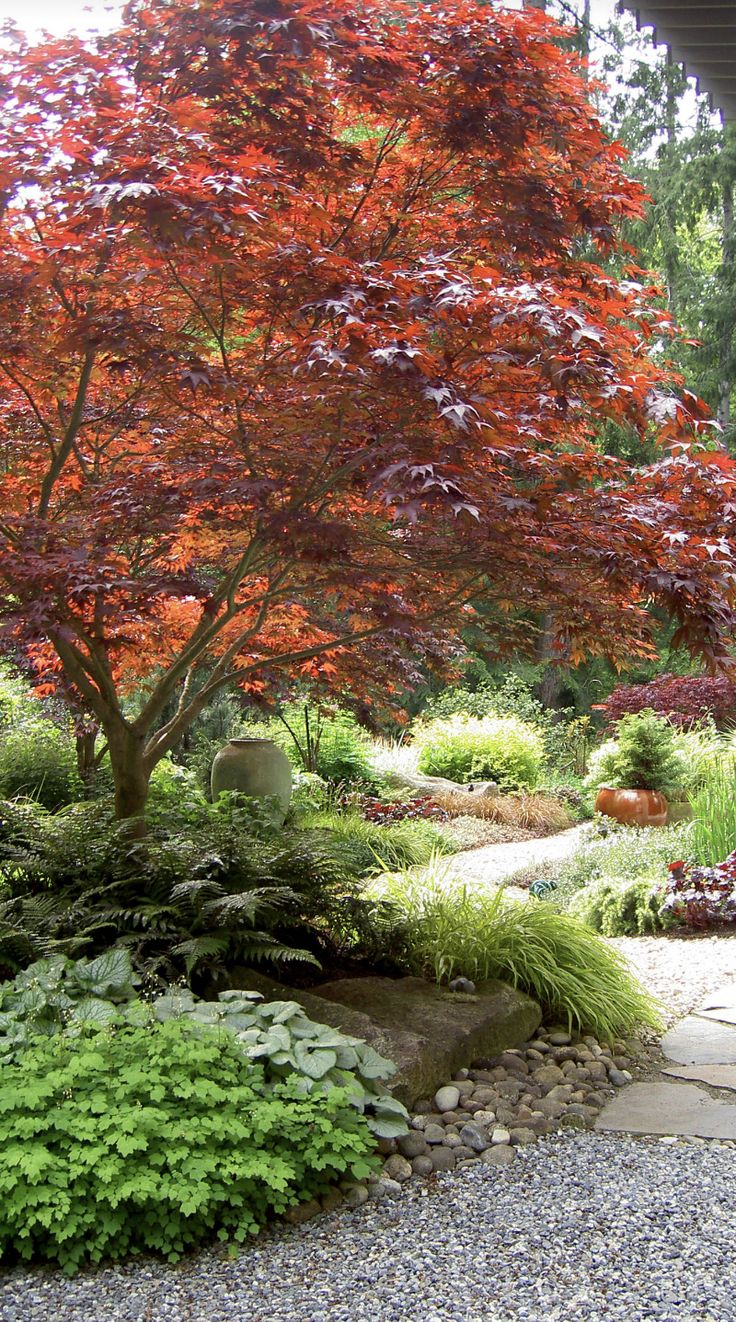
(155, 1138)
(64, 996)
(481, 934)
(622, 906)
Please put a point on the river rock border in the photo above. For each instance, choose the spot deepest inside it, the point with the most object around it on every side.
(498, 1105)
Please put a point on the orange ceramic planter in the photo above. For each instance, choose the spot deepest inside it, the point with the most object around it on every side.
(632, 807)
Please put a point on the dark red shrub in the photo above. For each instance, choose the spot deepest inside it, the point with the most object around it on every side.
(683, 699)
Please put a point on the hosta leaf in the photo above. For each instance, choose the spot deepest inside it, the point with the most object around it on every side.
(93, 1010)
(387, 1126)
(374, 1066)
(109, 974)
(314, 1063)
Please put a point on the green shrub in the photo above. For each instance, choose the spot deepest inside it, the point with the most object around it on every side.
(480, 934)
(327, 743)
(621, 906)
(156, 1138)
(642, 756)
(61, 996)
(39, 762)
(500, 748)
(369, 847)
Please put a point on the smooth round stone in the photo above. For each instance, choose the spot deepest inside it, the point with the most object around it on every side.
(500, 1156)
(464, 1154)
(412, 1145)
(619, 1078)
(447, 1098)
(548, 1075)
(331, 1200)
(418, 1122)
(500, 1136)
(484, 1118)
(521, 1137)
(443, 1159)
(422, 1166)
(474, 1137)
(384, 1188)
(461, 1076)
(570, 1120)
(296, 1216)
(356, 1195)
(453, 1141)
(434, 1133)
(398, 1168)
(486, 1096)
(560, 1039)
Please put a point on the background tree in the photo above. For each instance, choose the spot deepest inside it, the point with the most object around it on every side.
(304, 350)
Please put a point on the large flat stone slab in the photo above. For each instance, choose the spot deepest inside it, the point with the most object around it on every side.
(668, 1108)
(447, 1031)
(726, 1015)
(698, 1041)
(428, 1032)
(717, 1076)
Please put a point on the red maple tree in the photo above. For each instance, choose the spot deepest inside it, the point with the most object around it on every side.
(306, 339)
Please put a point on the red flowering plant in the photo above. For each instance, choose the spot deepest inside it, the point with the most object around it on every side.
(699, 896)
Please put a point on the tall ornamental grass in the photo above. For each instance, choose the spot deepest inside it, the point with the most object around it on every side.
(714, 809)
(572, 971)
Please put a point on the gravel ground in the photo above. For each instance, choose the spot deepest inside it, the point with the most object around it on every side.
(681, 970)
(581, 1227)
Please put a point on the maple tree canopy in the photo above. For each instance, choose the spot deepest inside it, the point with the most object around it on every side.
(306, 337)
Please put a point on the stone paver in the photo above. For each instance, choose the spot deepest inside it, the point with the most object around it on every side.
(703, 1048)
(698, 1041)
(716, 1076)
(724, 998)
(669, 1108)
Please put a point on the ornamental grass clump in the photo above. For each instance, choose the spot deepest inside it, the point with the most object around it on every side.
(451, 930)
(714, 813)
(155, 1139)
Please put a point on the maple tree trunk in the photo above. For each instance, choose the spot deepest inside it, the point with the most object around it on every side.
(131, 777)
(86, 760)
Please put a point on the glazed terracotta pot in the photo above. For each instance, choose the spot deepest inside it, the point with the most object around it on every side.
(632, 807)
(256, 767)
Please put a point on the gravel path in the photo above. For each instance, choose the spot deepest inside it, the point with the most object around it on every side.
(582, 1226)
(681, 970)
(494, 862)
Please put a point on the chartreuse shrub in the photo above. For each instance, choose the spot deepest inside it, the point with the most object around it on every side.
(155, 1138)
(64, 996)
(480, 934)
(38, 761)
(464, 748)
